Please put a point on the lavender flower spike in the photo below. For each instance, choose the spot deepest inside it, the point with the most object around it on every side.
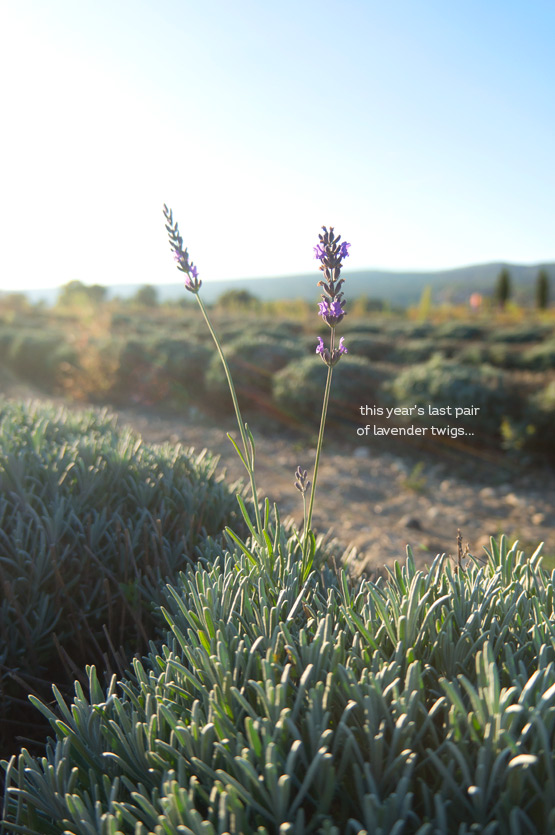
(181, 255)
(330, 252)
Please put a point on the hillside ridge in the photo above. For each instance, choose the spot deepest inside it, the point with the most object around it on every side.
(396, 287)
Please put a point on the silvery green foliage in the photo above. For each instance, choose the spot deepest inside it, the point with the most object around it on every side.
(34, 351)
(443, 383)
(297, 387)
(287, 700)
(370, 346)
(92, 522)
(418, 350)
(460, 331)
(253, 360)
(156, 367)
(540, 357)
(520, 334)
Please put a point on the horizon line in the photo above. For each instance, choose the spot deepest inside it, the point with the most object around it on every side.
(274, 276)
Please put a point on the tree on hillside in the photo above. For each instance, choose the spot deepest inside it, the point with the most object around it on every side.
(503, 288)
(238, 299)
(425, 303)
(146, 296)
(542, 290)
(14, 302)
(362, 305)
(77, 294)
(96, 293)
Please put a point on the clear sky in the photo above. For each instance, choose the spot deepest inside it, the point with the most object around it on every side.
(423, 130)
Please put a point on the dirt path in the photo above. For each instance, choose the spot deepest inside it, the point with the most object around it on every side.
(374, 499)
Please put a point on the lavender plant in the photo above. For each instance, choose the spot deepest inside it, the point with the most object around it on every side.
(193, 285)
(420, 705)
(331, 252)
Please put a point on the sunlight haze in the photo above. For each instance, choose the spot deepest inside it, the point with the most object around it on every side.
(422, 131)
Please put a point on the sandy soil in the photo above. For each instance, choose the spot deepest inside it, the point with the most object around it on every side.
(379, 501)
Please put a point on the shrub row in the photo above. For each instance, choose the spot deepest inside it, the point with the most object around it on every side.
(137, 357)
(446, 384)
(283, 377)
(92, 521)
(540, 357)
(281, 703)
(34, 355)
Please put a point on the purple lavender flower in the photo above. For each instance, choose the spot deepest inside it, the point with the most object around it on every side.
(320, 251)
(332, 313)
(344, 250)
(335, 309)
(337, 352)
(335, 356)
(324, 353)
(194, 271)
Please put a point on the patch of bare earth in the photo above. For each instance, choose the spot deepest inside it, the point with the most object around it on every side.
(378, 501)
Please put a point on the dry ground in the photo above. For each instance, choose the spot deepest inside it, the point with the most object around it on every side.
(379, 501)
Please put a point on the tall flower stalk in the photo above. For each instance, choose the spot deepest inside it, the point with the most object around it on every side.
(330, 252)
(193, 285)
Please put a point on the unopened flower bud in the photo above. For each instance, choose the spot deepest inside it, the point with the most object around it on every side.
(301, 482)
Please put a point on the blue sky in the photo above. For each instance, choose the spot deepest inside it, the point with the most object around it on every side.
(423, 131)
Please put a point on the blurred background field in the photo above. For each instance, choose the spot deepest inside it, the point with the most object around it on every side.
(499, 357)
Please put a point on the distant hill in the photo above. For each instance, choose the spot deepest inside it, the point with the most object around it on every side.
(398, 288)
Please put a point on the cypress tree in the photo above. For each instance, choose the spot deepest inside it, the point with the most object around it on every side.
(503, 288)
(542, 290)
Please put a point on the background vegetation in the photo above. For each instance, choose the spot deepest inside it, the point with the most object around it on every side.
(498, 356)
